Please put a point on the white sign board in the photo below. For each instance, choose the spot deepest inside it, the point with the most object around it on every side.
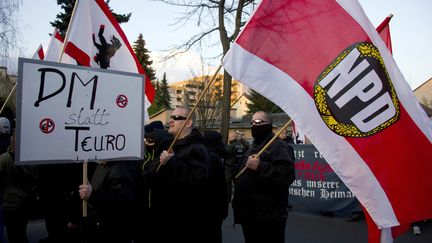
(71, 113)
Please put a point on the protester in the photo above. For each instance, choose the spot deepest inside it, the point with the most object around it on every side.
(179, 188)
(285, 137)
(235, 150)
(261, 193)
(2, 236)
(217, 193)
(61, 204)
(156, 139)
(4, 144)
(111, 197)
(18, 191)
(5, 128)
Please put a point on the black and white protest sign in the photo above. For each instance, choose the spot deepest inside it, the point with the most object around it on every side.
(67, 113)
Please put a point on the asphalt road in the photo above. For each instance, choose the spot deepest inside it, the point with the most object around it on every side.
(301, 228)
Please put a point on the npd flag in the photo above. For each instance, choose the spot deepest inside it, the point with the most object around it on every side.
(325, 65)
(95, 39)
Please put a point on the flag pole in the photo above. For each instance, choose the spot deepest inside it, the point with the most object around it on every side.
(67, 32)
(7, 98)
(266, 146)
(61, 54)
(192, 111)
(235, 102)
(85, 182)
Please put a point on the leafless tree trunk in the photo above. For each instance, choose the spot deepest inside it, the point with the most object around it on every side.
(8, 28)
(223, 16)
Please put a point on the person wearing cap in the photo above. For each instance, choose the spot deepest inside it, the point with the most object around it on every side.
(260, 200)
(156, 139)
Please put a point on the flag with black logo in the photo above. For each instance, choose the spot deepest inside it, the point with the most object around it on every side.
(95, 39)
(326, 66)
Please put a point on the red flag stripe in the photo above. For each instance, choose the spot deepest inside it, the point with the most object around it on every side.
(41, 53)
(384, 30)
(276, 31)
(81, 57)
(58, 36)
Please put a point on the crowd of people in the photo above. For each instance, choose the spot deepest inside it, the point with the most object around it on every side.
(179, 192)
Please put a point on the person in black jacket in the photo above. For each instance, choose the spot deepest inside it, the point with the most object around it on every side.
(260, 200)
(156, 140)
(17, 192)
(112, 197)
(236, 149)
(179, 188)
(217, 194)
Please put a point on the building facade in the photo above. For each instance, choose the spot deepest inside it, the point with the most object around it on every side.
(187, 92)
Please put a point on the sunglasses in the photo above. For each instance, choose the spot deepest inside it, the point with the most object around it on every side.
(258, 122)
(178, 118)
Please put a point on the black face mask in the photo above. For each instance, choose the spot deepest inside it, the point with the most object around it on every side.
(260, 133)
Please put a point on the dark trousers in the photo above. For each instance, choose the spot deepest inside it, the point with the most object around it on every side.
(2, 236)
(264, 232)
(185, 232)
(215, 232)
(16, 225)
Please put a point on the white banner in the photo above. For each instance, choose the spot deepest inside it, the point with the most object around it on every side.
(70, 113)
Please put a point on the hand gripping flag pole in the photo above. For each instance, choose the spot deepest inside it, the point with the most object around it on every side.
(192, 111)
(266, 146)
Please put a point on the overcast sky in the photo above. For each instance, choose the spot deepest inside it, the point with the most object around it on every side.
(410, 28)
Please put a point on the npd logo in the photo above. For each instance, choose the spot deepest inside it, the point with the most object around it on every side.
(354, 94)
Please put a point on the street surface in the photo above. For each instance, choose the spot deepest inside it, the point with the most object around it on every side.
(301, 228)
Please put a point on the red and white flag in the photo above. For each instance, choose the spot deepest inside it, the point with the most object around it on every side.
(326, 66)
(375, 235)
(54, 47)
(384, 31)
(95, 39)
(39, 53)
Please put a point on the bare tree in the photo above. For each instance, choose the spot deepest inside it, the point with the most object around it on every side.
(209, 109)
(214, 17)
(8, 28)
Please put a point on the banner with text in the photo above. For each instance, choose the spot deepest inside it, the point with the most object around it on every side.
(317, 189)
(67, 113)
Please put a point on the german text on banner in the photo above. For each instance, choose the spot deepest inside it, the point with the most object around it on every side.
(95, 39)
(326, 66)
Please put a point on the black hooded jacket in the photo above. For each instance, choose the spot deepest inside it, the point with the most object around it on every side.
(112, 204)
(218, 196)
(179, 187)
(262, 195)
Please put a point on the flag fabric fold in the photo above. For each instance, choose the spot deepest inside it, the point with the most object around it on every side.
(39, 53)
(95, 39)
(384, 31)
(54, 47)
(376, 235)
(326, 66)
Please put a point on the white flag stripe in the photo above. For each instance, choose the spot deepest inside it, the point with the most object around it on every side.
(351, 168)
(54, 48)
